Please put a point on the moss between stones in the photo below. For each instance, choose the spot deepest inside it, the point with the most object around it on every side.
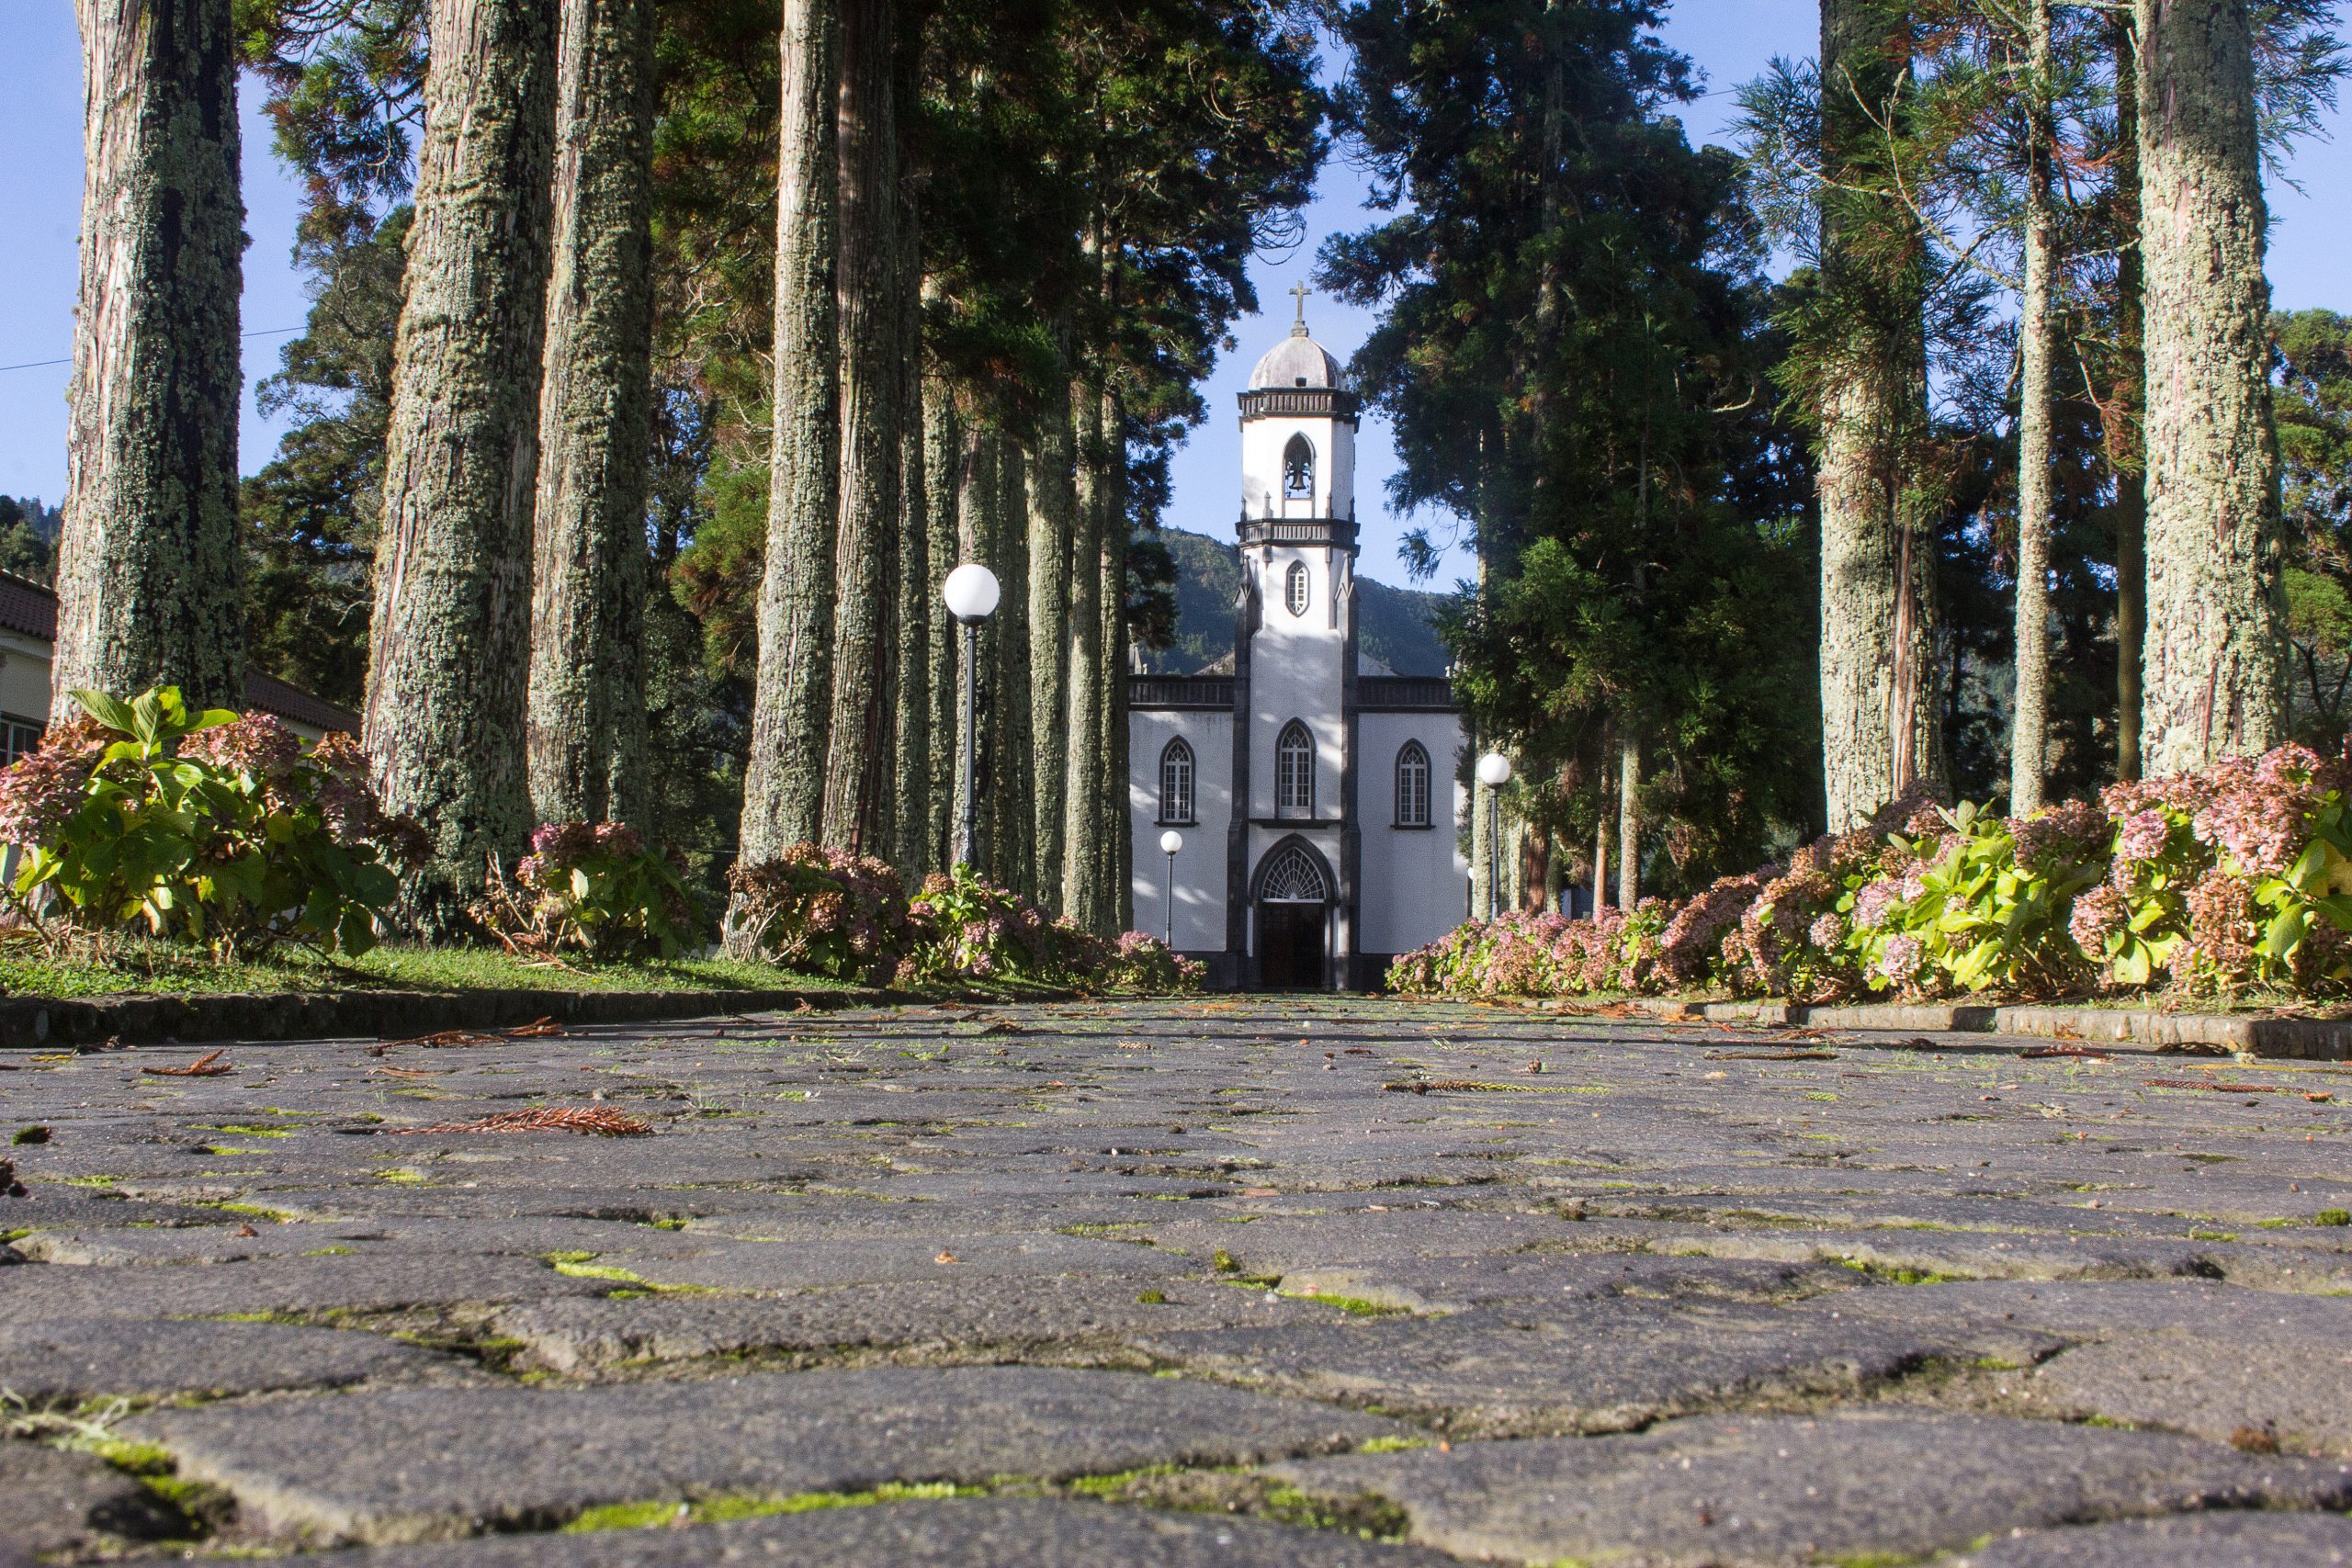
(718, 1510)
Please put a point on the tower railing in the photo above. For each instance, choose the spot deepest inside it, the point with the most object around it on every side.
(1179, 692)
(1313, 401)
(1420, 693)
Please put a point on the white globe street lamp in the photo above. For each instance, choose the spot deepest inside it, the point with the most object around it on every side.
(1494, 771)
(971, 594)
(1170, 842)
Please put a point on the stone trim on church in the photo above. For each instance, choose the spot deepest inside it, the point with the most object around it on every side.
(1314, 789)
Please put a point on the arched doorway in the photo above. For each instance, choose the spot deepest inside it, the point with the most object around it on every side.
(1294, 898)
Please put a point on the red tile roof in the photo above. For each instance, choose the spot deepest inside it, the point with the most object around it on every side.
(31, 608)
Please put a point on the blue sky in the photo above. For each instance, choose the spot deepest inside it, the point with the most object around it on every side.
(40, 175)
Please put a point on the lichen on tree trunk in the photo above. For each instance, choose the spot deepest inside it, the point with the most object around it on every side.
(784, 781)
(1881, 678)
(943, 441)
(910, 744)
(1087, 878)
(2126, 401)
(147, 575)
(865, 548)
(2215, 672)
(586, 735)
(1057, 601)
(449, 643)
(1629, 824)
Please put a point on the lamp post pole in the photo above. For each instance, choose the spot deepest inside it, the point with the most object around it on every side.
(1494, 771)
(1170, 842)
(971, 595)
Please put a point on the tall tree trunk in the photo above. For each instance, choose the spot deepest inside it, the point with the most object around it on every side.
(1629, 824)
(943, 456)
(866, 551)
(1056, 724)
(912, 746)
(2127, 402)
(2037, 488)
(1601, 841)
(1110, 794)
(1010, 770)
(1879, 666)
(148, 580)
(450, 647)
(2216, 672)
(784, 780)
(587, 684)
(1086, 885)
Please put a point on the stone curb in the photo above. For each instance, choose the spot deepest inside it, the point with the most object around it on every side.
(2298, 1039)
(328, 1015)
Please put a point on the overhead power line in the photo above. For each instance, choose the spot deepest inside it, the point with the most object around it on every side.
(38, 364)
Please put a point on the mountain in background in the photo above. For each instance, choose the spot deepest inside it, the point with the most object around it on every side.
(1393, 625)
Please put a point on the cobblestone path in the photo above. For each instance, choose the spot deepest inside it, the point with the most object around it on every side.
(1235, 1283)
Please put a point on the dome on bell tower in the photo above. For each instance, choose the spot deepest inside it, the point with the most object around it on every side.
(1296, 361)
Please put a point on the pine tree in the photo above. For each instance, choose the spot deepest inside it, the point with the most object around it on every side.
(2214, 653)
(450, 642)
(147, 575)
(586, 734)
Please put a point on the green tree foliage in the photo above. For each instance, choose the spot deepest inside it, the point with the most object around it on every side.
(1574, 353)
(2311, 376)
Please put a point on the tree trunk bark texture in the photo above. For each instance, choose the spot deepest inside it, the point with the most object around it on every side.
(2037, 491)
(1629, 824)
(1086, 885)
(2128, 402)
(1879, 675)
(148, 578)
(450, 644)
(1011, 768)
(1110, 791)
(910, 748)
(943, 440)
(865, 550)
(784, 783)
(976, 491)
(1056, 724)
(587, 682)
(2214, 661)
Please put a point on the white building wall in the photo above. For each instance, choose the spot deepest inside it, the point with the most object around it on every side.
(1415, 880)
(24, 677)
(1295, 668)
(1200, 864)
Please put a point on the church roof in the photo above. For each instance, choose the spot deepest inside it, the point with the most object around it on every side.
(1296, 361)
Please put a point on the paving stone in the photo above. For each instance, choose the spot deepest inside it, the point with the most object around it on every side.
(1789, 1490)
(779, 1266)
(413, 1465)
(2232, 1389)
(1586, 1367)
(980, 1532)
(982, 1314)
(2233, 1539)
(1531, 1283)
(61, 1363)
(55, 1501)
(49, 1292)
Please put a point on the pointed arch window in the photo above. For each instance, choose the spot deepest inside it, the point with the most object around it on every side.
(1295, 772)
(1298, 470)
(1176, 771)
(1413, 785)
(1293, 877)
(1298, 589)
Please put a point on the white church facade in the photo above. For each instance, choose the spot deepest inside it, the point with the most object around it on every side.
(1313, 789)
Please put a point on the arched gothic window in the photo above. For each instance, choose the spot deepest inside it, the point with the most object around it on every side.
(1296, 588)
(1293, 878)
(1412, 786)
(1176, 783)
(1298, 470)
(1295, 772)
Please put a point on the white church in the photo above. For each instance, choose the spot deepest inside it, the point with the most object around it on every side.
(1313, 789)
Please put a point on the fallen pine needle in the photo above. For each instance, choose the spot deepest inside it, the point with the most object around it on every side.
(1451, 1086)
(208, 1065)
(592, 1120)
(1771, 1055)
(2216, 1088)
(2040, 1052)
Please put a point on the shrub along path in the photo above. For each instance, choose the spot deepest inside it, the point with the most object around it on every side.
(1278, 1282)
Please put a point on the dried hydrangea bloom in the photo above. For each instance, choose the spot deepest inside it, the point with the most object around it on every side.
(256, 744)
(2099, 914)
(40, 793)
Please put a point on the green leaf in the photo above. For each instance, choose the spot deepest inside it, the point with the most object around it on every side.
(111, 712)
(2286, 933)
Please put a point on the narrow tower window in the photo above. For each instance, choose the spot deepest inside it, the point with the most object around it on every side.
(1412, 786)
(1295, 772)
(1298, 470)
(1176, 783)
(1295, 588)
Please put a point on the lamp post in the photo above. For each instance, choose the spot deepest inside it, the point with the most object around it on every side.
(1170, 842)
(971, 594)
(1494, 771)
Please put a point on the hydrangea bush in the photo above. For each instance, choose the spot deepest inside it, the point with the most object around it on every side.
(821, 911)
(206, 826)
(596, 887)
(2209, 883)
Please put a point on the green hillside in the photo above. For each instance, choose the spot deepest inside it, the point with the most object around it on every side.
(1393, 625)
